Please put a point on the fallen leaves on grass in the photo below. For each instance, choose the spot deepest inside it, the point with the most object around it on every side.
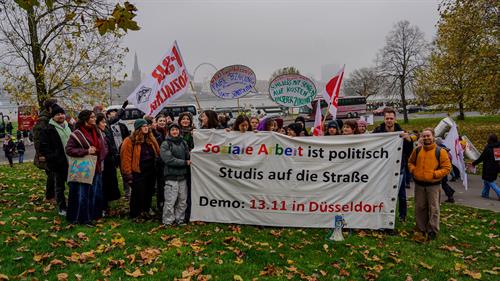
(149, 255)
(137, 273)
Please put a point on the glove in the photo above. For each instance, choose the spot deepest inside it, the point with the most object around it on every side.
(125, 104)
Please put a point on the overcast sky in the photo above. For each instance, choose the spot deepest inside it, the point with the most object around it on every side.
(269, 34)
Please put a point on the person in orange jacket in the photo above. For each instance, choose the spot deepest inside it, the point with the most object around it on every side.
(428, 165)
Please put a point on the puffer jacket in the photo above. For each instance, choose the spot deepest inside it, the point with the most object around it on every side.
(175, 152)
(425, 167)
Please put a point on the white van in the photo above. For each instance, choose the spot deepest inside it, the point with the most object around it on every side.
(132, 113)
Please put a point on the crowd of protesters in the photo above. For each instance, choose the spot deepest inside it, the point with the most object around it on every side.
(154, 161)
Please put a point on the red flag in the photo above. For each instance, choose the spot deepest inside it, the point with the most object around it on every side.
(331, 92)
(318, 122)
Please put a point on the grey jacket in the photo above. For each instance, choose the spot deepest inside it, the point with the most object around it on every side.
(174, 152)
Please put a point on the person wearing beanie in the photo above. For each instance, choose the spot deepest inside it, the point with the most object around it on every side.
(175, 155)
(294, 130)
(332, 128)
(362, 125)
(186, 124)
(138, 156)
(53, 140)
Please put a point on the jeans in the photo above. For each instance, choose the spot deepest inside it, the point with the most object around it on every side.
(21, 157)
(486, 188)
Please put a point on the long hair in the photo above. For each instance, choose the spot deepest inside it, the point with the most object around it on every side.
(83, 117)
(239, 120)
(138, 137)
(189, 115)
(213, 119)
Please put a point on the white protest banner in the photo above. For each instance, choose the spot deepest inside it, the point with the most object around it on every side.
(232, 82)
(292, 90)
(168, 81)
(270, 179)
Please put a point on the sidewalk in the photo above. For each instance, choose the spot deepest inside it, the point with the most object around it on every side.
(470, 197)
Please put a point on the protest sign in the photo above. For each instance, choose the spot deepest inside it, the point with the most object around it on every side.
(292, 90)
(270, 179)
(232, 82)
(168, 81)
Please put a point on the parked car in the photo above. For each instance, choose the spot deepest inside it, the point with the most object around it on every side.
(379, 111)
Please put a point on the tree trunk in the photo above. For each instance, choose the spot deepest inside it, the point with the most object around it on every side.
(38, 67)
(403, 100)
(461, 115)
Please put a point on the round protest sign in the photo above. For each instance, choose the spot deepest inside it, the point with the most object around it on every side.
(292, 90)
(233, 82)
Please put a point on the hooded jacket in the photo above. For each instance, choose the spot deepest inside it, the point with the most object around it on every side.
(490, 166)
(175, 153)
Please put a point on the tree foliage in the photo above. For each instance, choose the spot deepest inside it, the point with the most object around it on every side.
(54, 48)
(284, 70)
(464, 64)
(401, 57)
(364, 82)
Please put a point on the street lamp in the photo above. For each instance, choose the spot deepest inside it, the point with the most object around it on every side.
(110, 87)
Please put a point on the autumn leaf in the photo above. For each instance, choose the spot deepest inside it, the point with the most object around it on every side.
(118, 241)
(3, 277)
(149, 255)
(474, 275)
(325, 247)
(237, 278)
(176, 242)
(424, 265)
(451, 249)
(137, 273)
(62, 277)
(460, 267)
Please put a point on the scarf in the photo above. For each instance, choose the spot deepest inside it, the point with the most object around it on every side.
(92, 137)
(63, 131)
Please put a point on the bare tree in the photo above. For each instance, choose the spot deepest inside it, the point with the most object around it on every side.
(53, 49)
(400, 59)
(364, 82)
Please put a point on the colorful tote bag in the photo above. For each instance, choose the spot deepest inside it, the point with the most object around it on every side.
(82, 169)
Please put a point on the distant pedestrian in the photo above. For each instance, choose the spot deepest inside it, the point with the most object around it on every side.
(20, 150)
(332, 128)
(428, 166)
(9, 128)
(9, 148)
(491, 166)
(175, 155)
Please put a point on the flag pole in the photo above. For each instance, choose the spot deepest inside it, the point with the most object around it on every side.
(195, 96)
(327, 112)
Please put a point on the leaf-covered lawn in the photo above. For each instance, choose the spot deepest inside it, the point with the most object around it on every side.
(37, 244)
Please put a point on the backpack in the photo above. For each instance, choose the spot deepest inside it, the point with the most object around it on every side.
(438, 153)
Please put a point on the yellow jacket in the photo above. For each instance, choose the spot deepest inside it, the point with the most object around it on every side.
(426, 168)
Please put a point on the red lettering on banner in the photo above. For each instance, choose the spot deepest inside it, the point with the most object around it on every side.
(177, 56)
(262, 149)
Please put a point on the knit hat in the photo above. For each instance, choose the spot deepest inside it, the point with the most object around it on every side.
(173, 125)
(56, 109)
(333, 124)
(139, 123)
(362, 122)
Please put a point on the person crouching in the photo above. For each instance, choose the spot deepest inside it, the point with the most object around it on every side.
(175, 154)
(138, 155)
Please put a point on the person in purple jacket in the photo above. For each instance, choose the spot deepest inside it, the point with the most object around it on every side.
(85, 201)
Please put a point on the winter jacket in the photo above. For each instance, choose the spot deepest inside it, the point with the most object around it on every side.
(77, 146)
(130, 155)
(20, 147)
(407, 145)
(9, 148)
(490, 166)
(175, 153)
(52, 148)
(425, 167)
(41, 123)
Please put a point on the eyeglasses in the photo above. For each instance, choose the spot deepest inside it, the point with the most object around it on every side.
(93, 117)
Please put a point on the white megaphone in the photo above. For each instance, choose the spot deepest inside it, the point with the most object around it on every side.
(471, 151)
(443, 126)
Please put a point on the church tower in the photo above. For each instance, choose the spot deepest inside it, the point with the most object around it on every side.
(136, 72)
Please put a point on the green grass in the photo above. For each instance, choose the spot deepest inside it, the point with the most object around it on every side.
(32, 236)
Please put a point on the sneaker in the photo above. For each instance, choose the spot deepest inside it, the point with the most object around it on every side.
(104, 214)
(62, 213)
(484, 196)
(450, 200)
